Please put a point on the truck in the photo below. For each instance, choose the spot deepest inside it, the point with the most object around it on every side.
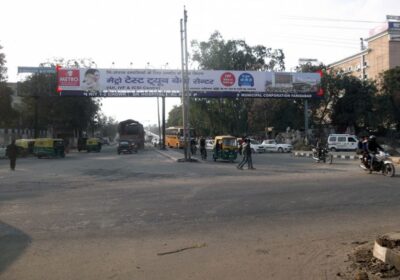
(132, 131)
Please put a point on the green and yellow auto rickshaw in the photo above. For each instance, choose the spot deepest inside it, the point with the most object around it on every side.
(93, 145)
(225, 148)
(25, 146)
(49, 147)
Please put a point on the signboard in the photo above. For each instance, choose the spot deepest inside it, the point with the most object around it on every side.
(390, 17)
(394, 26)
(28, 69)
(208, 83)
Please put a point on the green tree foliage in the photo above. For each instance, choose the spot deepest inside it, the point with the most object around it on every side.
(356, 105)
(61, 113)
(175, 116)
(231, 116)
(8, 116)
(108, 126)
(389, 98)
(3, 69)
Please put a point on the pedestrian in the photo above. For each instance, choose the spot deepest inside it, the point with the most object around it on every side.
(246, 156)
(12, 153)
(203, 151)
(241, 142)
(248, 152)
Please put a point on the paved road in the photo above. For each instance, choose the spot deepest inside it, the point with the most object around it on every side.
(104, 216)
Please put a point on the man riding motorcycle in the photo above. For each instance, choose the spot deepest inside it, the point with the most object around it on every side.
(373, 148)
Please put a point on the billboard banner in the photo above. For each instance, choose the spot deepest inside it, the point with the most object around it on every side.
(208, 83)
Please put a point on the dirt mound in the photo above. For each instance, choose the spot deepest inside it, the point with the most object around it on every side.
(362, 263)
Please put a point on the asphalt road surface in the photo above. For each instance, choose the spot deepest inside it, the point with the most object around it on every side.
(145, 216)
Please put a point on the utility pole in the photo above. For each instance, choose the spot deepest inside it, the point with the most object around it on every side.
(306, 120)
(163, 123)
(185, 86)
(159, 125)
(362, 47)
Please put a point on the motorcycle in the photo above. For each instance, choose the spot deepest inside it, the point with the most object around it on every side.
(324, 155)
(380, 163)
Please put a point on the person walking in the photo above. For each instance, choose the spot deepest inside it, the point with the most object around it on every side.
(246, 156)
(12, 153)
(248, 152)
(203, 151)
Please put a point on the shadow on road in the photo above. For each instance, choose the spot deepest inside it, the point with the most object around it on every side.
(13, 243)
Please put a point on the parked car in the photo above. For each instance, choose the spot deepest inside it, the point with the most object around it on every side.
(272, 146)
(2, 152)
(257, 147)
(155, 141)
(342, 142)
(209, 144)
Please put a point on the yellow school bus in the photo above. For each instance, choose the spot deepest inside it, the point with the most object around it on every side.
(174, 137)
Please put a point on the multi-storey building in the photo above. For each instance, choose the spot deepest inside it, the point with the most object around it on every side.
(381, 54)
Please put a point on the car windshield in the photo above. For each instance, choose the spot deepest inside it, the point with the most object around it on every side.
(124, 143)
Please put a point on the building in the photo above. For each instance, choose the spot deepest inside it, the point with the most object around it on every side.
(381, 54)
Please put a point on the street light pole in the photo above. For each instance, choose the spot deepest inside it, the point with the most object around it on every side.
(185, 86)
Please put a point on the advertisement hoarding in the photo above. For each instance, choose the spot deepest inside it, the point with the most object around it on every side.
(208, 83)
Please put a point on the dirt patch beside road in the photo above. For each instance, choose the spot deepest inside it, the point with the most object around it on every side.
(362, 262)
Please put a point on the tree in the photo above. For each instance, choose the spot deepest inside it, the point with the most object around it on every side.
(175, 116)
(389, 98)
(355, 107)
(8, 116)
(43, 107)
(3, 69)
(108, 126)
(230, 116)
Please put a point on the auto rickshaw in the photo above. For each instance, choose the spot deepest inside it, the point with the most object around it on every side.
(225, 148)
(93, 144)
(49, 147)
(25, 146)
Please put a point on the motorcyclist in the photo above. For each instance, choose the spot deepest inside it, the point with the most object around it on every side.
(363, 147)
(319, 147)
(373, 148)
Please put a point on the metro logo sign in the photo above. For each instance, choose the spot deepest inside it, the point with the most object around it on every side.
(228, 79)
(69, 77)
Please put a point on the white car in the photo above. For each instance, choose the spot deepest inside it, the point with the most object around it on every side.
(272, 146)
(209, 144)
(155, 141)
(342, 142)
(257, 147)
(2, 152)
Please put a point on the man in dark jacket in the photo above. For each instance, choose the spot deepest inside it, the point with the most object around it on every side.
(246, 156)
(12, 153)
(373, 145)
(373, 149)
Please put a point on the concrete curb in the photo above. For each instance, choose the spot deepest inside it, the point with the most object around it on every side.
(386, 249)
(167, 155)
(337, 156)
(177, 158)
